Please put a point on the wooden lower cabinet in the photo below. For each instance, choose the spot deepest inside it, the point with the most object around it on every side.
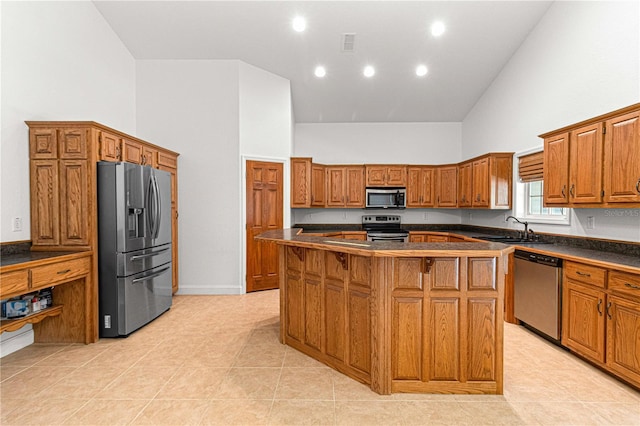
(427, 237)
(397, 324)
(583, 320)
(623, 338)
(601, 318)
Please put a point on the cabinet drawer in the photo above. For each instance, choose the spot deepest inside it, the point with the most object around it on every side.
(45, 276)
(625, 283)
(14, 283)
(585, 273)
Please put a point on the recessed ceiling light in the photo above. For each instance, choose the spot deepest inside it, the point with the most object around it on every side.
(369, 71)
(299, 24)
(437, 29)
(421, 70)
(320, 71)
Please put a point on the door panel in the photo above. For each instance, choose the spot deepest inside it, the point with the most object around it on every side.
(264, 213)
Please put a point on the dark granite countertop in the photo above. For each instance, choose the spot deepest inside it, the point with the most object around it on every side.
(597, 252)
(31, 256)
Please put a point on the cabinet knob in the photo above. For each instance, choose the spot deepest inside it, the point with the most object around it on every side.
(564, 189)
(609, 310)
(572, 190)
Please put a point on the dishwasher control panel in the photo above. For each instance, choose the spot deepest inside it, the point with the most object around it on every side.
(539, 258)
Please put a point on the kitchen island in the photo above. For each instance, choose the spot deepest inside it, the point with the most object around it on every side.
(400, 317)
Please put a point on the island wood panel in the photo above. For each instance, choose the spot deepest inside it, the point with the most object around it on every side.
(294, 303)
(406, 335)
(482, 339)
(359, 314)
(313, 298)
(442, 357)
(335, 305)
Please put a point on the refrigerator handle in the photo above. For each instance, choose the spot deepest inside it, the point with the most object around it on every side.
(149, 207)
(158, 218)
(148, 277)
(145, 256)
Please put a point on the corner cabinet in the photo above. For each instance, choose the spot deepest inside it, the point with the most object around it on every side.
(594, 163)
(63, 178)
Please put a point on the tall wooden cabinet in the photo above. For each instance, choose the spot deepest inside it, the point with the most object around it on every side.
(63, 177)
(594, 163)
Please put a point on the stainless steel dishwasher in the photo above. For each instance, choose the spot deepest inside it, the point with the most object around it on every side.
(538, 292)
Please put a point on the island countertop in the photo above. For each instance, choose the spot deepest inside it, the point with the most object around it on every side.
(295, 237)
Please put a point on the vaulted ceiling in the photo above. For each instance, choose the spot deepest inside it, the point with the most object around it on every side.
(392, 36)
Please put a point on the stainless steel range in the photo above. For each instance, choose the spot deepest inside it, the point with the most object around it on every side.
(384, 228)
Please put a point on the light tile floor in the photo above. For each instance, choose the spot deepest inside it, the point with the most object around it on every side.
(217, 360)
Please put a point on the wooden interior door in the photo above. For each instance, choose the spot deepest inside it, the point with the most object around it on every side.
(264, 213)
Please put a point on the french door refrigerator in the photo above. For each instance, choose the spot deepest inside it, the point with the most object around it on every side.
(134, 246)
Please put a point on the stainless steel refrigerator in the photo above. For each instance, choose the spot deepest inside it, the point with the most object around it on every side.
(134, 246)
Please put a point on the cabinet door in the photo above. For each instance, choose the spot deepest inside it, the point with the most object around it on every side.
(447, 186)
(376, 175)
(318, 186)
(45, 202)
(622, 159)
(43, 144)
(73, 143)
(464, 185)
(583, 321)
(414, 187)
(417, 237)
(174, 223)
(396, 176)
(149, 156)
(556, 169)
(74, 203)
(355, 186)
(335, 186)
(131, 151)
(585, 154)
(623, 342)
(437, 239)
(110, 147)
(300, 182)
(480, 182)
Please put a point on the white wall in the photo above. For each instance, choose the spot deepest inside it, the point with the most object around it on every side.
(215, 114)
(359, 143)
(580, 61)
(191, 106)
(60, 61)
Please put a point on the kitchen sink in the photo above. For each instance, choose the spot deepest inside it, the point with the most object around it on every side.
(508, 239)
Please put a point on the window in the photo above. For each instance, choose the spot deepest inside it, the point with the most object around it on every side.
(534, 207)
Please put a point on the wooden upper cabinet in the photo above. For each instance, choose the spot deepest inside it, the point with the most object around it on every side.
(446, 186)
(336, 182)
(585, 164)
(500, 180)
(464, 184)
(131, 151)
(355, 186)
(318, 185)
(556, 169)
(110, 147)
(345, 186)
(72, 143)
(300, 182)
(595, 163)
(480, 183)
(43, 144)
(421, 185)
(386, 175)
(149, 156)
(622, 159)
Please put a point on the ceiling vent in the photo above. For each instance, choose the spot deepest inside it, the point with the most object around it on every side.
(348, 42)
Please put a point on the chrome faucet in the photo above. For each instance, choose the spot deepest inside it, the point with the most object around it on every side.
(526, 225)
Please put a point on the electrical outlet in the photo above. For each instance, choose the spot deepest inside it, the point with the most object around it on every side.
(470, 216)
(426, 216)
(591, 222)
(16, 225)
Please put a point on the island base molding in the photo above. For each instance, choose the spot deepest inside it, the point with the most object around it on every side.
(419, 322)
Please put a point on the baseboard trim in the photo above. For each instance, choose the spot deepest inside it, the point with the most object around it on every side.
(17, 342)
(194, 291)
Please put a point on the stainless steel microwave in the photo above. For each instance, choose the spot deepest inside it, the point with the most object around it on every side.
(386, 198)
